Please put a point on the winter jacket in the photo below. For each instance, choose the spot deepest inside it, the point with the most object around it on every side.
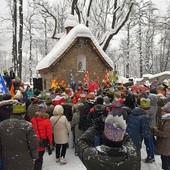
(104, 157)
(32, 109)
(42, 126)
(153, 110)
(18, 143)
(138, 126)
(74, 125)
(61, 129)
(163, 138)
(84, 123)
(68, 110)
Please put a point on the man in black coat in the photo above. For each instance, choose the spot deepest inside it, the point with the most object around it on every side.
(117, 151)
(18, 141)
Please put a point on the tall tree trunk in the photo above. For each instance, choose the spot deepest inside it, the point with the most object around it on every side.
(45, 32)
(30, 57)
(14, 41)
(128, 51)
(20, 38)
(140, 45)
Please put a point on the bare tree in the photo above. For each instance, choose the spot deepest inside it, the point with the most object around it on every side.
(20, 38)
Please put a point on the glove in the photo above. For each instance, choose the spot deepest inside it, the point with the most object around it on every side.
(50, 148)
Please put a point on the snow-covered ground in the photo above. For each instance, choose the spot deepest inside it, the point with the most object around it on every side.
(74, 163)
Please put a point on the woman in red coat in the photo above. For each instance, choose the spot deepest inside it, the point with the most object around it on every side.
(43, 129)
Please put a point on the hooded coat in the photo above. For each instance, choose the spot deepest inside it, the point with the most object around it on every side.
(104, 157)
(138, 126)
(18, 143)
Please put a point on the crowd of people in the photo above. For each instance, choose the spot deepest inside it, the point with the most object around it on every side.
(108, 124)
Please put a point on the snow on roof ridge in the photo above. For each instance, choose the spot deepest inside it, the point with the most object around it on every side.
(78, 31)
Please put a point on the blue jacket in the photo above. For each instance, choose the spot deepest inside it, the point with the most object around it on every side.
(138, 126)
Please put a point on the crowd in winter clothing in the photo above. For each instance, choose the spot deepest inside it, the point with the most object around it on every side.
(108, 124)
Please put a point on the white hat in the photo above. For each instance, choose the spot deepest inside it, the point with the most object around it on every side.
(58, 110)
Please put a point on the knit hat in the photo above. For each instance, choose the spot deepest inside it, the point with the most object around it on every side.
(99, 100)
(48, 99)
(5, 71)
(82, 96)
(117, 95)
(114, 128)
(58, 110)
(19, 108)
(145, 103)
(34, 99)
(117, 103)
(42, 107)
(106, 101)
(78, 106)
(90, 96)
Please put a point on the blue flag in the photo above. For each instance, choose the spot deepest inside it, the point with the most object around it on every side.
(3, 88)
(71, 77)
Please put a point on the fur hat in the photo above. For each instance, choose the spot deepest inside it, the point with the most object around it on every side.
(114, 128)
(58, 110)
(145, 103)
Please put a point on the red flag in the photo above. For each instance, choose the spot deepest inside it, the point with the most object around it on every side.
(86, 77)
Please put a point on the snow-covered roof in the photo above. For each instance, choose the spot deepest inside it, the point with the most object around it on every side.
(151, 76)
(78, 31)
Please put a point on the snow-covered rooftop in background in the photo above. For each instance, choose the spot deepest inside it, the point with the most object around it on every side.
(151, 76)
(122, 79)
(78, 31)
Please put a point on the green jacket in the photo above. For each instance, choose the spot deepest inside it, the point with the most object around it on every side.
(104, 157)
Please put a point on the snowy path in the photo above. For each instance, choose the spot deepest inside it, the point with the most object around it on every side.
(74, 163)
